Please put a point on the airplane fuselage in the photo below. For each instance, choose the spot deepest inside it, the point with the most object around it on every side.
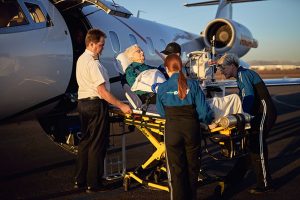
(37, 62)
(40, 42)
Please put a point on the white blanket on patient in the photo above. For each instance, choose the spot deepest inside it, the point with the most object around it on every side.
(146, 79)
(223, 106)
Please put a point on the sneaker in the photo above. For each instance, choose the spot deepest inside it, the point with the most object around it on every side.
(258, 190)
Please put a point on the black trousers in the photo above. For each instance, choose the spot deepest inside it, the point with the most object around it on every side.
(258, 153)
(182, 140)
(94, 142)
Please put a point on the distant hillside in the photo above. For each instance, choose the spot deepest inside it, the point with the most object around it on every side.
(274, 62)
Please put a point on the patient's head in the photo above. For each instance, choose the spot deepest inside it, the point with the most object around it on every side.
(135, 54)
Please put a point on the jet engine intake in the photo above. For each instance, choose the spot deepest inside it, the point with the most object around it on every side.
(230, 36)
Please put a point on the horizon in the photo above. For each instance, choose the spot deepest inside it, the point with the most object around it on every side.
(273, 24)
(274, 62)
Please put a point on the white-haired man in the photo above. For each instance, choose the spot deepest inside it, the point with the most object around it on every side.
(256, 101)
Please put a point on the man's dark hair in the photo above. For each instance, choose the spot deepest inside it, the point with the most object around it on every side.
(93, 35)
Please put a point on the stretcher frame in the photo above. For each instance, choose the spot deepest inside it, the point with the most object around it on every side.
(150, 124)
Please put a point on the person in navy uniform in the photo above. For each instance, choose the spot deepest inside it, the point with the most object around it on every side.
(182, 103)
(256, 101)
(171, 48)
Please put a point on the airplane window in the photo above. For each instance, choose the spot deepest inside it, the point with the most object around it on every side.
(150, 46)
(114, 41)
(163, 43)
(132, 39)
(35, 13)
(11, 14)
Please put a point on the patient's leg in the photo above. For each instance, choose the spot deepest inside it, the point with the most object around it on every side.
(223, 106)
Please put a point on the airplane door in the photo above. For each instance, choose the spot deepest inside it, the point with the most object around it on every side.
(35, 56)
(110, 8)
(80, 16)
(78, 24)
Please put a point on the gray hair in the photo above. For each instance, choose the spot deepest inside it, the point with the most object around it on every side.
(130, 50)
(228, 59)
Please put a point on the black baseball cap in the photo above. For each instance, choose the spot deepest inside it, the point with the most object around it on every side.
(172, 47)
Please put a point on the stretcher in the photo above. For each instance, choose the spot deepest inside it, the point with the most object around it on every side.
(230, 136)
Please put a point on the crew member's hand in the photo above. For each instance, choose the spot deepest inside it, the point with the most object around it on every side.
(212, 126)
(125, 108)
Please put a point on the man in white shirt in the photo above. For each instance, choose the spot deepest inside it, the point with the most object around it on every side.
(93, 98)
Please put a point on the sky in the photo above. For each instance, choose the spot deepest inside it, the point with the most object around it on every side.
(274, 23)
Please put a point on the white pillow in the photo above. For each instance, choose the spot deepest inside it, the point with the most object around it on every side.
(123, 61)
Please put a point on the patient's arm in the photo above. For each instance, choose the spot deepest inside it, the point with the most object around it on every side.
(134, 69)
(130, 75)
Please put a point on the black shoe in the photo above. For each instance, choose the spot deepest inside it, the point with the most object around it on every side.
(95, 189)
(258, 190)
(78, 185)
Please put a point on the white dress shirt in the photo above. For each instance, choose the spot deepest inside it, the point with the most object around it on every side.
(90, 73)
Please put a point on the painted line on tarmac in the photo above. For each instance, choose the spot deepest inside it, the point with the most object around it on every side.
(286, 104)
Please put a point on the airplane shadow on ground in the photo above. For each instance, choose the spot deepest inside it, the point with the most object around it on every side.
(283, 107)
(289, 154)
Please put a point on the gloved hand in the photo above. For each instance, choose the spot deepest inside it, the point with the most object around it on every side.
(154, 87)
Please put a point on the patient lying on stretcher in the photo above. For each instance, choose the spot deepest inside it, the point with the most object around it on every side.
(139, 75)
(144, 79)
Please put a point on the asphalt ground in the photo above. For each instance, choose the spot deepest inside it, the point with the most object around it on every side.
(34, 167)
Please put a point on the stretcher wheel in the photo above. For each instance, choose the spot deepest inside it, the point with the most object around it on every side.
(126, 183)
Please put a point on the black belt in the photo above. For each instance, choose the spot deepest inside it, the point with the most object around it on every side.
(90, 98)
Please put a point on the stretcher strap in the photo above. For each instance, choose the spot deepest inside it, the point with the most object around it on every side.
(241, 122)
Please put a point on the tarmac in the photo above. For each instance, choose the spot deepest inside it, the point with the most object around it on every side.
(34, 167)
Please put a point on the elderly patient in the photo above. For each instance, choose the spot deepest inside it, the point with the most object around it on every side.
(142, 78)
(139, 76)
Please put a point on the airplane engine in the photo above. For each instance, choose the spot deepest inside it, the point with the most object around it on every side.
(230, 36)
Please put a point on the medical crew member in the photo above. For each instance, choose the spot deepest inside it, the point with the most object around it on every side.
(256, 101)
(183, 104)
(171, 48)
(93, 98)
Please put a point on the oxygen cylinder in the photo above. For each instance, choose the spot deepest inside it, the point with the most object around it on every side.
(231, 120)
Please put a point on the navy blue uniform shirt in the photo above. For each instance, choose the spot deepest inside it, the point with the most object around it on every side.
(246, 82)
(167, 95)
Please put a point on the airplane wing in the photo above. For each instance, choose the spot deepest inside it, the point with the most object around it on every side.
(282, 82)
(216, 2)
(268, 82)
(224, 8)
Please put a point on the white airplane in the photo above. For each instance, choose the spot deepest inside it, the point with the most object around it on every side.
(40, 42)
